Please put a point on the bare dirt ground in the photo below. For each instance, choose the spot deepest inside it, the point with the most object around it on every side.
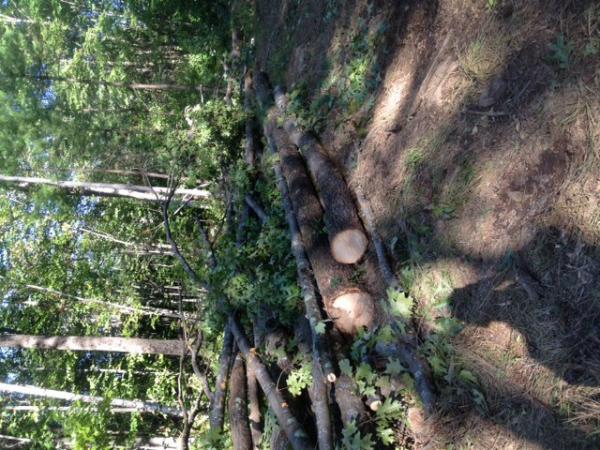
(473, 127)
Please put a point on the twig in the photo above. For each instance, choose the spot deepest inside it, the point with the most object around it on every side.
(257, 209)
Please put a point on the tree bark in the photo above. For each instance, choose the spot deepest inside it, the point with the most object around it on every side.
(237, 406)
(217, 404)
(93, 344)
(319, 389)
(251, 144)
(321, 354)
(136, 405)
(406, 350)
(156, 194)
(347, 238)
(352, 409)
(288, 423)
(257, 209)
(254, 415)
(349, 306)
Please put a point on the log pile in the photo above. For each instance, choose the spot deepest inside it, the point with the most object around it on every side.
(328, 239)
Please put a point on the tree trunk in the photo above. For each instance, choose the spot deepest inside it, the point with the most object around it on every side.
(254, 415)
(137, 405)
(349, 306)
(347, 238)
(217, 405)
(165, 248)
(319, 389)
(156, 194)
(237, 406)
(116, 84)
(321, 353)
(143, 310)
(352, 409)
(93, 344)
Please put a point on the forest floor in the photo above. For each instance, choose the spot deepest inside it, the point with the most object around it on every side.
(473, 128)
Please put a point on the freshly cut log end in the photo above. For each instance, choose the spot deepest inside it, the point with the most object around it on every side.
(352, 311)
(348, 246)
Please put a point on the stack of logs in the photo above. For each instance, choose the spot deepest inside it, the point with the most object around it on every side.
(328, 240)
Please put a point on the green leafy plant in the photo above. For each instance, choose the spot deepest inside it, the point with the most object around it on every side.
(352, 439)
(299, 379)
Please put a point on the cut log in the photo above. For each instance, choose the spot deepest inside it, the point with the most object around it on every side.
(352, 409)
(347, 238)
(237, 406)
(217, 405)
(321, 354)
(288, 423)
(349, 306)
(254, 415)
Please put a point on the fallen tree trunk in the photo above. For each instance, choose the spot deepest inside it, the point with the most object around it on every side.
(352, 408)
(254, 415)
(217, 404)
(288, 423)
(405, 349)
(347, 238)
(347, 304)
(321, 354)
(319, 389)
(237, 406)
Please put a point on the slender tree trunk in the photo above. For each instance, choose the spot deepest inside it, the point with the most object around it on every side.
(93, 344)
(138, 405)
(131, 86)
(143, 310)
(237, 406)
(217, 406)
(156, 194)
(36, 408)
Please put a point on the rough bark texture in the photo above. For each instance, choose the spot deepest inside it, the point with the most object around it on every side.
(347, 238)
(288, 423)
(321, 354)
(94, 344)
(237, 406)
(349, 306)
(319, 390)
(369, 221)
(254, 415)
(217, 406)
(352, 409)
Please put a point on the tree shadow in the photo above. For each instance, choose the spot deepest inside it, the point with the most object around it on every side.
(548, 295)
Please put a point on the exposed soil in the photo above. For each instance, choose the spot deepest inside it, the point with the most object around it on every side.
(478, 147)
